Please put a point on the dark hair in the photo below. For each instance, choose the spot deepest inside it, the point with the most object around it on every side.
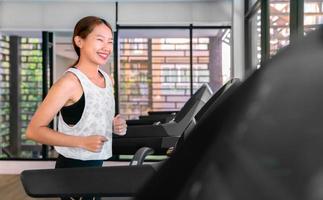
(83, 28)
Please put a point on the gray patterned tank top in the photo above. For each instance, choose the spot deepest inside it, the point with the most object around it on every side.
(96, 118)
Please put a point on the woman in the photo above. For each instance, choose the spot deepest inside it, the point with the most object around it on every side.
(84, 98)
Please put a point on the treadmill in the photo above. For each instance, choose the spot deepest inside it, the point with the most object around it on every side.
(153, 117)
(161, 136)
(264, 142)
(117, 181)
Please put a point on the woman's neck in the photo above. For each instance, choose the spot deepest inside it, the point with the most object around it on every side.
(89, 69)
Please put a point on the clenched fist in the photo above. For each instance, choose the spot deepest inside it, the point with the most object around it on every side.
(93, 143)
(119, 125)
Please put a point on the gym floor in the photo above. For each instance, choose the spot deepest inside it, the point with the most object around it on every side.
(11, 188)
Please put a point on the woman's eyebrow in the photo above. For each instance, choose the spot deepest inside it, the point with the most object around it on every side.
(98, 35)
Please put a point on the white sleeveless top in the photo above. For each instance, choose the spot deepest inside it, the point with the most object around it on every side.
(96, 118)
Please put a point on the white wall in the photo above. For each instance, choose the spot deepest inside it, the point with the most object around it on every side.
(62, 64)
(176, 13)
(62, 15)
(51, 15)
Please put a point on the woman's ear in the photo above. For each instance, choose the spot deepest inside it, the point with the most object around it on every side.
(78, 41)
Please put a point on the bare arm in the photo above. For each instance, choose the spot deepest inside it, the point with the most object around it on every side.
(37, 130)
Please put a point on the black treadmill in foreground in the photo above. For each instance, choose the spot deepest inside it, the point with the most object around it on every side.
(264, 142)
(160, 137)
(119, 181)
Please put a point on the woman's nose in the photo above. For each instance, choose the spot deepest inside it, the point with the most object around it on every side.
(107, 49)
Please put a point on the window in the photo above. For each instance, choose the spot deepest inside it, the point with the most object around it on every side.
(27, 96)
(154, 70)
(211, 57)
(4, 94)
(279, 24)
(30, 90)
(253, 36)
(313, 14)
(256, 39)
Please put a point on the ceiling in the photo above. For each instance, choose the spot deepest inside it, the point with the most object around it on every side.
(130, 1)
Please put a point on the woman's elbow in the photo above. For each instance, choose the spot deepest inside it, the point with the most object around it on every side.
(30, 133)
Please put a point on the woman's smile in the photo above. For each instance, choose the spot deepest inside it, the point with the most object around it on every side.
(104, 56)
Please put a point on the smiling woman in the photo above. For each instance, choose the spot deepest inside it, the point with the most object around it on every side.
(84, 98)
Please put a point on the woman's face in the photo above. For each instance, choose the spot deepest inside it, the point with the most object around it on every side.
(97, 46)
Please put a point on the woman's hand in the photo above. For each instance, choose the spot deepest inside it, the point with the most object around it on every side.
(93, 143)
(119, 125)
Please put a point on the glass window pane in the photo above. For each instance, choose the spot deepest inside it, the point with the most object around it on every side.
(30, 90)
(4, 95)
(154, 70)
(313, 14)
(14, 143)
(255, 27)
(279, 24)
(211, 57)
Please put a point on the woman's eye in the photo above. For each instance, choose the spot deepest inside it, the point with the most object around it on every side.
(100, 40)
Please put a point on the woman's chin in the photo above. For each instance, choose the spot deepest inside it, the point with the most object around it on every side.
(101, 62)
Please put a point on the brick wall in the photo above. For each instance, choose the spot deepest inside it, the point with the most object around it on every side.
(31, 81)
(4, 91)
(155, 73)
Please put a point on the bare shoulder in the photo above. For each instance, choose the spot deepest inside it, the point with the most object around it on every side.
(68, 82)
